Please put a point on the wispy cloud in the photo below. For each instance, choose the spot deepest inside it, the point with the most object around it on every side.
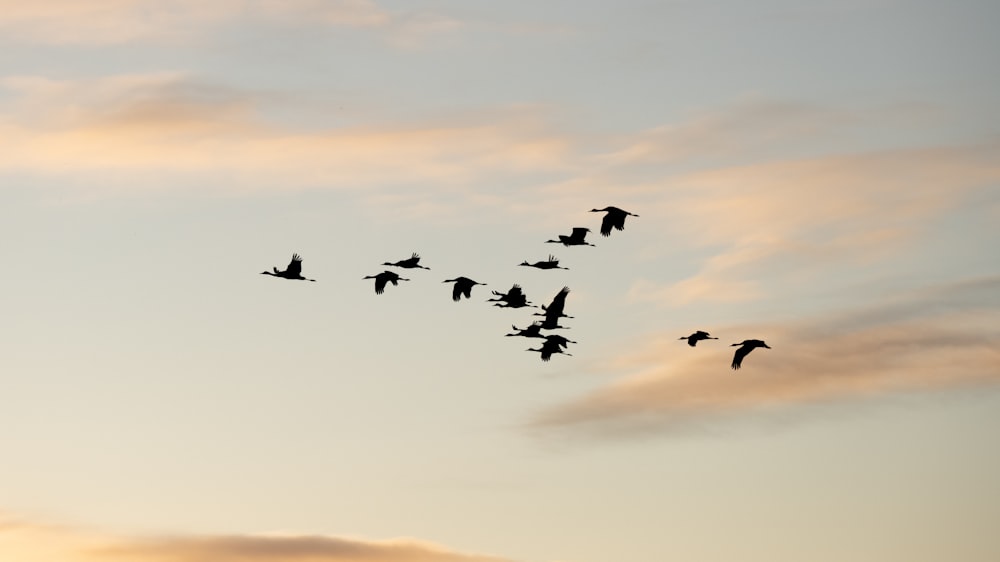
(811, 215)
(171, 123)
(110, 22)
(937, 337)
(31, 542)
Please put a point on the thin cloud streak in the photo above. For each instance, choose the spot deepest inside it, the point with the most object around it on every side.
(810, 215)
(115, 22)
(169, 123)
(935, 338)
(31, 542)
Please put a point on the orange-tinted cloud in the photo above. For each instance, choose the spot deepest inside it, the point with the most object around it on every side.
(29, 542)
(790, 218)
(170, 123)
(928, 339)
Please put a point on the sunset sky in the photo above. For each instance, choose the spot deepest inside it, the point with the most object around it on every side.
(822, 176)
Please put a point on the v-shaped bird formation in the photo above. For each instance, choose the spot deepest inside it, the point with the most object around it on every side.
(553, 344)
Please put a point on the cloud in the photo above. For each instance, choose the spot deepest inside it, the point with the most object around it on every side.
(790, 219)
(932, 338)
(168, 123)
(111, 22)
(30, 542)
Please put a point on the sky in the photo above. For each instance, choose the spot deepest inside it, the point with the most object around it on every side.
(824, 177)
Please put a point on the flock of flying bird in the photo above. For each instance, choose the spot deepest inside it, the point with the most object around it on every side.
(515, 297)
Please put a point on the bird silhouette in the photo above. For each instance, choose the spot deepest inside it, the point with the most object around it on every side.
(532, 331)
(556, 307)
(574, 239)
(549, 348)
(463, 286)
(514, 298)
(696, 337)
(409, 263)
(551, 263)
(385, 277)
(747, 347)
(293, 271)
(551, 322)
(562, 341)
(615, 218)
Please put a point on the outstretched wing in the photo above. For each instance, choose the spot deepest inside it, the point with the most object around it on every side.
(618, 220)
(558, 303)
(467, 290)
(295, 266)
(380, 281)
(515, 291)
(579, 232)
(456, 293)
(739, 355)
(607, 224)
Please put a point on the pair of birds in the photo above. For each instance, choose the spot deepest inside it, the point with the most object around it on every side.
(746, 346)
(386, 277)
(613, 219)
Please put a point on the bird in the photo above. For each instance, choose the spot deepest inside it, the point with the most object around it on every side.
(385, 277)
(615, 218)
(555, 308)
(293, 271)
(562, 341)
(696, 337)
(551, 263)
(747, 347)
(514, 298)
(548, 348)
(463, 286)
(574, 239)
(409, 263)
(532, 331)
(551, 323)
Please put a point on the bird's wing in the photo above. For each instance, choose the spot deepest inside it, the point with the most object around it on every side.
(467, 291)
(619, 220)
(692, 341)
(456, 293)
(558, 302)
(579, 232)
(739, 355)
(295, 266)
(607, 224)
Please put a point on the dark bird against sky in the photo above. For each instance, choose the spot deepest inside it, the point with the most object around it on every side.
(697, 337)
(574, 239)
(293, 271)
(747, 347)
(615, 218)
(385, 277)
(555, 309)
(551, 263)
(549, 348)
(532, 331)
(409, 263)
(463, 286)
(514, 298)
